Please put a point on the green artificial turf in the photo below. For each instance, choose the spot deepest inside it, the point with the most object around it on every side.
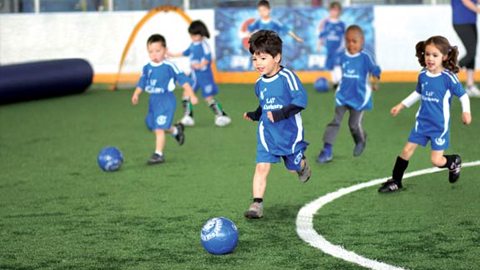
(58, 210)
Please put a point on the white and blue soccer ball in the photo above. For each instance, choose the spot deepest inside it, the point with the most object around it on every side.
(219, 236)
(110, 159)
(321, 85)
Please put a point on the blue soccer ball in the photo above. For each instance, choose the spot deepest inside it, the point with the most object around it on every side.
(321, 85)
(219, 236)
(110, 159)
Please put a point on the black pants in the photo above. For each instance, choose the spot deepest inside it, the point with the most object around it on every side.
(468, 36)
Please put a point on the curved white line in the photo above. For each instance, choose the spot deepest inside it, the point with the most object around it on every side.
(308, 234)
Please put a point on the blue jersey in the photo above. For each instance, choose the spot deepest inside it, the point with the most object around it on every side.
(332, 33)
(433, 116)
(271, 24)
(202, 78)
(354, 89)
(461, 14)
(284, 137)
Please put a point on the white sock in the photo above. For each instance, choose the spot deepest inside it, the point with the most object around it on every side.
(159, 153)
(175, 131)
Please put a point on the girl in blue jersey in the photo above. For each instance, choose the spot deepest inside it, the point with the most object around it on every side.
(331, 34)
(280, 130)
(158, 79)
(436, 85)
(354, 94)
(201, 60)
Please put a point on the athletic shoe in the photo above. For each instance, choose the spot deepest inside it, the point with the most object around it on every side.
(359, 147)
(180, 137)
(472, 91)
(255, 211)
(188, 121)
(156, 159)
(222, 120)
(305, 173)
(390, 186)
(324, 157)
(454, 170)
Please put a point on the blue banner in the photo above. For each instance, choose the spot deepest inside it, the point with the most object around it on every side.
(232, 40)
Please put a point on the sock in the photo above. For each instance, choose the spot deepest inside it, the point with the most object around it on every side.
(175, 131)
(159, 152)
(258, 200)
(216, 107)
(399, 169)
(187, 106)
(328, 148)
(450, 162)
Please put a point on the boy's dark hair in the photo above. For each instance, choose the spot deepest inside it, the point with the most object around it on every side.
(355, 27)
(335, 4)
(442, 44)
(157, 38)
(265, 41)
(263, 3)
(198, 28)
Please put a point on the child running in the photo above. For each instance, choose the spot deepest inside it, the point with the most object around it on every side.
(158, 79)
(436, 84)
(280, 132)
(354, 94)
(201, 60)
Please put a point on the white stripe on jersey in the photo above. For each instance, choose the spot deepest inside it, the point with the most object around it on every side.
(368, 94)
(289, 80)
(172, 65)
(262, 136)
(453, 77)
(292, 77)
(206, 48)
(298, 121)
(446, 113)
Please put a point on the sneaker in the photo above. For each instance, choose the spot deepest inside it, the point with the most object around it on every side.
(188, 121)
(454, 170)
(472, 91)
(305, 173)
(156, 159)
(255, 211)
(222, 120)
(324, 157)
(180, 137)
(390, 186)
(359, 147)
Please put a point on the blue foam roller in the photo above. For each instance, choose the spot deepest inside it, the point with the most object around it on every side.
(44, 79)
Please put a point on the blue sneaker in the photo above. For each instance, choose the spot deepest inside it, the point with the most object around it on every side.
(324, 157)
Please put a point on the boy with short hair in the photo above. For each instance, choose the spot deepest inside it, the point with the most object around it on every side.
(280, 131)
(158, 79)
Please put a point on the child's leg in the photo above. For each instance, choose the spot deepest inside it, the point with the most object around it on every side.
(399, 168)
(187, 118)
(331, 131)
(215, 106)
(336, 74)
(259, 185)
(452, 162)
(356, 129)
(159, 141)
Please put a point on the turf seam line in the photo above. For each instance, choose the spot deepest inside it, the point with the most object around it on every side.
(305, 230)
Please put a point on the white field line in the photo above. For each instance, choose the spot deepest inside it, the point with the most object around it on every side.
(308, 234)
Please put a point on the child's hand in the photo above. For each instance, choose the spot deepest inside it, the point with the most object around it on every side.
(466, 118)
(375, 86)
(270, 116)
(196, 66)
(135, 99)
(245, 116)
(396, 110)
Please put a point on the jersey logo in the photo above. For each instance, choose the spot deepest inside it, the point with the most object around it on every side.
(262, 97)
(298, 158)
(440, 141)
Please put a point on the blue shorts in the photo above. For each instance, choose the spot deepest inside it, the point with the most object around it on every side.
(204, 81)
(161, 110)
(292, 162)
(437, 141)
(332, 60)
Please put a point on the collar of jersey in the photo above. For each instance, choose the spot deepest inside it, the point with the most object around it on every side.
(153, 64)
(271, 78)
(196, 42)
(352, 55)
(334, 20)
(431, 75)
(265, 21)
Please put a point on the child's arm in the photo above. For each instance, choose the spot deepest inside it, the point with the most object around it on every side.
(283, 113)
(201, 64)
(466, 116)
(135, 95)
(188, 92)
(375, 81)
(174, 54)
(294, 36)
(406, 103)
(254, 115)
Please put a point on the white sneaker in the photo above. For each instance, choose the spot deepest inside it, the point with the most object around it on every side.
(188, 121)
(222, 120)
(472, 91)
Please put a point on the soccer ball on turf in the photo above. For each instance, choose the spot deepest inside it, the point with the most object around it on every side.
(219, 236)
(321, 85)
(110, 159)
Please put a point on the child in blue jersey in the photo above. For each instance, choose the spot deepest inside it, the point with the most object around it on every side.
(354, 94)
(158, 79)
(436, 85)
(201, 60)
(331, 34)
(280, 129)
(267, 23)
